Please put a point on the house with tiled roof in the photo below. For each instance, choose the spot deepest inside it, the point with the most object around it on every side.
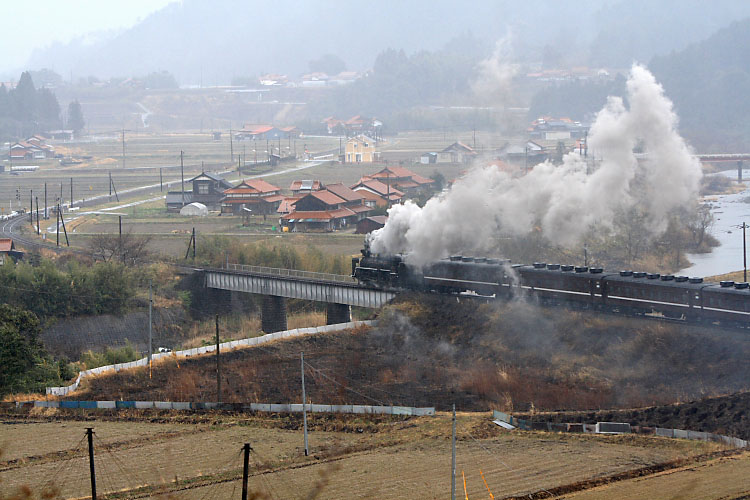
(256, 195)
(556, 129)
(377, 193)
(404, 180)
(207, 189)
(458, 152)
(335, 207)
(305, 186)
(8, 250)
(33, 148)
(265, 132)
(370, 224)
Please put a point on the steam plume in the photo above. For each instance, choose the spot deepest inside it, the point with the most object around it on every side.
(495, 74)
(565, 200)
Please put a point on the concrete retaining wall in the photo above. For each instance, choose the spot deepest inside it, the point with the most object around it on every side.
(198, 351)
(192, 406)
(600, 427)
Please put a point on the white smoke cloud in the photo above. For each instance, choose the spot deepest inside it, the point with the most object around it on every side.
(495, 74)
(564, 201)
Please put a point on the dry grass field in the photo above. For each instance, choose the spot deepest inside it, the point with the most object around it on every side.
(351, 457)
(726, 478)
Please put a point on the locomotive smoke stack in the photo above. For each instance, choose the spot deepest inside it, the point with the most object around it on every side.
(565, 201)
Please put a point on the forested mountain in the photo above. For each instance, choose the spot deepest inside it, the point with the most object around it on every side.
(638, 30)
(212, 42)
(709, 83)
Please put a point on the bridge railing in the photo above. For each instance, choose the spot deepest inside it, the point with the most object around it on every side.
(292, 273)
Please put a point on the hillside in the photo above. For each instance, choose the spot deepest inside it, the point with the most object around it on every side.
(435, 351)
(709, 83)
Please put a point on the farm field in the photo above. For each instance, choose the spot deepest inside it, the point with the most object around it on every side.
(362, 457)
(726, 478)
(145, 154)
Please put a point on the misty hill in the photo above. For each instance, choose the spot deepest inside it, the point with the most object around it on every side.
(213, 41)
(709, 83)
(638, 30)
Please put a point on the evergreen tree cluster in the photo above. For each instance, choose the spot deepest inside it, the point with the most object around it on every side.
(72, 290)
(26, 110)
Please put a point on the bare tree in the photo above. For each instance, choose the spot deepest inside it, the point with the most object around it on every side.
(699, 222)
(129, 248)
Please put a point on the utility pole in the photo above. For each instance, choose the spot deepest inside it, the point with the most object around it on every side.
(304, 401)
(110, 184)
(119, 239)
(71, 193)
(182, 176)
(57, 225)
(194, 244)
(245, 469)
(62, 221)
(31, 207)
(218, 363)
(161, 181)
(45, 202)
(150, 313)
(453, 456)
(90, 434)
(38, 231)
(744, 251)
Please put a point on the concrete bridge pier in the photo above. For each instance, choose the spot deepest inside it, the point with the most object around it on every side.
(273, 314)
(338, 313)
(739, 171)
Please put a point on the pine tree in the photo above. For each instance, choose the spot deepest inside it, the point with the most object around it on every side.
(25, 99)
(49, 109)
(75, 116)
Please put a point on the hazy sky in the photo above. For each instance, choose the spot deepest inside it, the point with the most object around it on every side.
(39, 23)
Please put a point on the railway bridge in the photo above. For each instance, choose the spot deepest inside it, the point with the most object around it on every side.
(339, 292)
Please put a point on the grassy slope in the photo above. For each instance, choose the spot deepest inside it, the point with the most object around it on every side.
(436, 352)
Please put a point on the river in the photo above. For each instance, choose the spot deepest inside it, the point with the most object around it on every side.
(729, 211)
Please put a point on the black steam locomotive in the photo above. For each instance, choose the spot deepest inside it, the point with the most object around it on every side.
(627, 292)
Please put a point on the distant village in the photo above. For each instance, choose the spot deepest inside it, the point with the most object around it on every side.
(309, 205)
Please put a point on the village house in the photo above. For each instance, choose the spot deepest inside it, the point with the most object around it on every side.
(207, 189)
(370, 224)
(556, 129)
(256, 195)
(458, 152)
(33, 148)
(8, 250)
(305, 186)
(528, 154)
(404, 180)
(286, 206)
(360, 149)
(356, 125)
(335, 207)
(377, 193)
(315, 79)
(258, 132)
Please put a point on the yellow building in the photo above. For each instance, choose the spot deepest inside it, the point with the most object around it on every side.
(360, 149)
